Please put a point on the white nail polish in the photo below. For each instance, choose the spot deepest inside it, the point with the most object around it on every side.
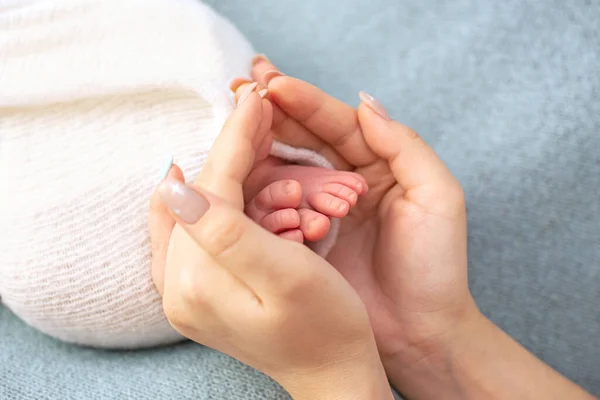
(247, 92)
(166, 168)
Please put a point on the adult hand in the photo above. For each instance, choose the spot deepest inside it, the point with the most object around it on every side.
(269, 302)
(404, 249)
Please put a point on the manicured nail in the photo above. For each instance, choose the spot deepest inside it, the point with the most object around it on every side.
(166, 168)
(374, 105)
(183, 201)
(270, 74)
(259, 58)
(247, 92)
(263, 93)
(237, 82)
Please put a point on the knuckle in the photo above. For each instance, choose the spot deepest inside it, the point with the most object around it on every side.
(407, 131)
(190, 288)
(343, 139)
(223, 235)
(185, 298)
(411, 133)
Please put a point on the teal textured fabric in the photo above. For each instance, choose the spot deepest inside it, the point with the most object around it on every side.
(508, 93)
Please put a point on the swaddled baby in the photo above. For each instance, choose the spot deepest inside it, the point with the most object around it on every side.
(93, 95)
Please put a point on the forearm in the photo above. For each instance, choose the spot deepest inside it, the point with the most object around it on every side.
(483, 362)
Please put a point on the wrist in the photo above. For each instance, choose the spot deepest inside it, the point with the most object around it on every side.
(361, 378)
(426, 365)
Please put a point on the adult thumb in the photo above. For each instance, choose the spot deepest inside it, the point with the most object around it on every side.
(160, 227)
(236, 148)
(232, 240)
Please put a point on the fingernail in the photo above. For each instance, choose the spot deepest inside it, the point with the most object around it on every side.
(270, 74)
(247, 92)
(262, 93)
(374, 105)
(258, 59)
(183, 201)
(166, 168)
(237, 82)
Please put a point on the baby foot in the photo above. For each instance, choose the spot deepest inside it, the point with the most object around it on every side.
(322, 194)
(274, 208)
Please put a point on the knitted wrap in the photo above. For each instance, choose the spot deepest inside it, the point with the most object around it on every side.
(94, 96)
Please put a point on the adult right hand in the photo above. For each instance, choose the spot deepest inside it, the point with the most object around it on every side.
(403, 247)
(404, 250)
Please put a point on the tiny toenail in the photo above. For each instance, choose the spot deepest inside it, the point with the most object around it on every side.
(359, 186)
(353, 196)
(287, 187)
(342, 207)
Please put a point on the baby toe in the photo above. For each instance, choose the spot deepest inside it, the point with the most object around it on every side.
(352, 180)
(329, 205)
(278, 195)
(281, 220)
(295, 235)
(342, 192)
(313, 225)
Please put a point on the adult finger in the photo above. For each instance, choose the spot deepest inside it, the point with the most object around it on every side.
(285, 127)
(234, 152)
(261, 260)
(331, 120)
(260, 65)
(291, 132)
(237, 82)
(295, 128)
(160, 227)
(413, 163)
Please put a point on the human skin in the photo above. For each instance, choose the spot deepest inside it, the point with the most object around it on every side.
(401, 258)
(404, 250)
(231, 285)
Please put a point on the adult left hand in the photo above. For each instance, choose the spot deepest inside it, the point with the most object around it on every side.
(269, 302)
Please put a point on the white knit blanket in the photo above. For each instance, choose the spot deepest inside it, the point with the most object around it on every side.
(94, 96)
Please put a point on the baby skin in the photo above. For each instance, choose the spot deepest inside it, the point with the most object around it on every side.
(296, 202)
